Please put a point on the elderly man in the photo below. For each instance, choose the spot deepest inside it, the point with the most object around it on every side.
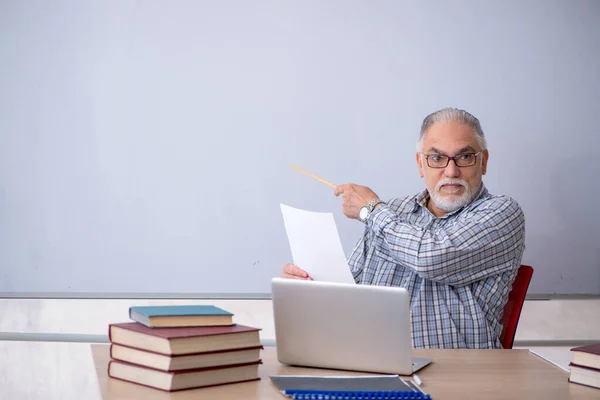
(455, 247)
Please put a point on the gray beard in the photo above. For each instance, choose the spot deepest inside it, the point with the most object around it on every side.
(451, 203)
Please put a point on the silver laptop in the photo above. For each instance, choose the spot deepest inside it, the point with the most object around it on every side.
(343, 326)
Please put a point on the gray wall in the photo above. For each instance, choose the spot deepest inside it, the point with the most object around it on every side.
(144, 146)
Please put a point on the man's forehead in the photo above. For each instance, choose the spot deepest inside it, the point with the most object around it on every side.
(450, 137)
(454, 148)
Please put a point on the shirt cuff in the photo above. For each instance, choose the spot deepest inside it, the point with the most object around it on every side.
(380, 217)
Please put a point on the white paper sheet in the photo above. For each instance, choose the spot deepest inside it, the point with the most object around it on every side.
(316, 245)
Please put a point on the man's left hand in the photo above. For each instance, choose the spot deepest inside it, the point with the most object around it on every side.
(354, 197)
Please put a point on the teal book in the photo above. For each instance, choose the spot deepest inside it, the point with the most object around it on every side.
(173, 316)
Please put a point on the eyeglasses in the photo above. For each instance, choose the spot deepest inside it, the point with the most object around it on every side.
(441, 161)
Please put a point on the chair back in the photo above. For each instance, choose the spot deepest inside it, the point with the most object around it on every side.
(512, 309)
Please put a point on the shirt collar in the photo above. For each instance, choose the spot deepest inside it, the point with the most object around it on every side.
(423, 197)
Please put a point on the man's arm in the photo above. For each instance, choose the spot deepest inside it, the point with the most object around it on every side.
(482, 245)
(356, 260)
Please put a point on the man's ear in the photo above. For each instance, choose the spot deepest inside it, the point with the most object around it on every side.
(420, 165)
(484, 160)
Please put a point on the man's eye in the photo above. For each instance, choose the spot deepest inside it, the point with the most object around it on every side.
(466, 157)
(437, 157)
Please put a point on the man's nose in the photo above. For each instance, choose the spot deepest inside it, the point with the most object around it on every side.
(451, 170)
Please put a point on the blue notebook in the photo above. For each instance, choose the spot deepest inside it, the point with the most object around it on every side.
(354, 395)
(172, 316)
(382, 387)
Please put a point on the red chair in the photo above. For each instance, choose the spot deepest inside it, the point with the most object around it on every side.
(512, 309)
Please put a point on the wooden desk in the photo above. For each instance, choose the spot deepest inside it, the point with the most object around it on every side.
(454, 374)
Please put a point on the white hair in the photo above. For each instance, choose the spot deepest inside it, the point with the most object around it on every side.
(452, 115)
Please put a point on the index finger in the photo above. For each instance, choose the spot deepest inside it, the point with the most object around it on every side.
(340, 189)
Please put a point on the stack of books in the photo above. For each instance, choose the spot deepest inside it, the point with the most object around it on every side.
(183, 347)
(585, 368)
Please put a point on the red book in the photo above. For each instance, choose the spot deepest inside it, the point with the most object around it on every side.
(587, 356)
(188, 340)
(184, 361)
(183, 380)
(585, 375)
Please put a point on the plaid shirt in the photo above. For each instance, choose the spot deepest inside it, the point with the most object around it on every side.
(458, 269)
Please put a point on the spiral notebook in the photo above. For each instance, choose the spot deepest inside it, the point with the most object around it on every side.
(354, 395)
(347, 387)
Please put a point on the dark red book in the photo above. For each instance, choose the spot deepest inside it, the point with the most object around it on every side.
(184, 361)
(183, 380)
(585, 375)
(188, 340)
(587, 356)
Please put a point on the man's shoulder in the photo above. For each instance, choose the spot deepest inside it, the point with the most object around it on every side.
(495, 204)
